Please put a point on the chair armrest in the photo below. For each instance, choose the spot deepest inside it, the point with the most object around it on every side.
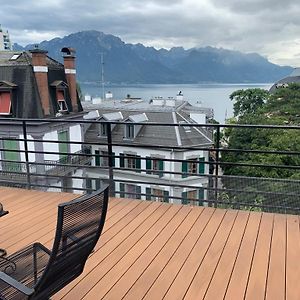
(16, 284)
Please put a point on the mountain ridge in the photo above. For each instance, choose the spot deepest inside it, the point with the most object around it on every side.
(136, 63)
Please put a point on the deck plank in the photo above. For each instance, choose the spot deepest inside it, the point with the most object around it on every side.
(203, 276)
(151, 268)
(239, 277)
(275, 288)
(256, 288)
(183, 279)
(292, 258)
(111, 253)
(164, 280)
(144, 246)
(218, 284)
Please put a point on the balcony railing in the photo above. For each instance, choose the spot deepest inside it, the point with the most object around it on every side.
(220, 183)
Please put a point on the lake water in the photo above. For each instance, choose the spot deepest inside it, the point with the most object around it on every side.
(215, 96)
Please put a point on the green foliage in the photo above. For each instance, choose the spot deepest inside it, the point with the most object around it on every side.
(248, 101)
(258, 107)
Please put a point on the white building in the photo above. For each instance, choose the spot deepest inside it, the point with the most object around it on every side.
(144, 154)
(5, 43)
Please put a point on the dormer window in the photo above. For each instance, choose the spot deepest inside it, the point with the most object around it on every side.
(103, 129)
(62, 105)
(129, 131)
(5, 103)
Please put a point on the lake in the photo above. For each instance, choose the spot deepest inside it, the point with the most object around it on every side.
(215, 96)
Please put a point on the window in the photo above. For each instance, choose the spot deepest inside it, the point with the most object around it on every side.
(103, 129)
(62, 105)
(130, 191)
(155, 194)
(5, 103)
(130, 161)
(15, 56)
(194, 197)
(192, 165)
(129, 131)
(156, 165)
(102, 159)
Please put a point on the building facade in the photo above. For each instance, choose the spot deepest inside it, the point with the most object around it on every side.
(34, 86)
(160, 163)
(5, 43)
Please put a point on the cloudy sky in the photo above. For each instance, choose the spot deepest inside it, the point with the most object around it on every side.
(268, 27)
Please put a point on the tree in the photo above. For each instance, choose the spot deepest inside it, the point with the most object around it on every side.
(248, 101)
(281, 172)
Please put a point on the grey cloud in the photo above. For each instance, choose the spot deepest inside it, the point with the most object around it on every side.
(265, 26)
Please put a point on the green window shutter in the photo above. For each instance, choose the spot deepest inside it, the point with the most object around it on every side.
(184, 169)
(184, 198)
(63, 147)
(121, 160)
(138, 163)
(8, 155)
(148, 165)
(97, 184)
(161, 168)
(166, 196)
(148, 193)
(97, 158)
(122, 189)
(201, 165)
(138, 191)
(201, 196)
(113, 159)
(88, 183)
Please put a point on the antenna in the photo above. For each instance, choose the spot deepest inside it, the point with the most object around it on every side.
(102, 74)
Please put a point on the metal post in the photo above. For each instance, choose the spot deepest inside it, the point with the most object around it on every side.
(26, 155)
(110, 161)
(217, 147)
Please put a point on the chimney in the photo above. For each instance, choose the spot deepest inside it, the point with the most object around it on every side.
(40, 70)
(69, 63)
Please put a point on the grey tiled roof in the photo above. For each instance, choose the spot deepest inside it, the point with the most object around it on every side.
(155, 135)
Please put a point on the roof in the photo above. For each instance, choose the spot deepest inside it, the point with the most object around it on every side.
(294, 77)
(26, 101)
(139, 105)
(168, 136)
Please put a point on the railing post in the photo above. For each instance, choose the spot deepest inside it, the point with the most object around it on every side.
(110, 161)
(217, 147)
(26, 155)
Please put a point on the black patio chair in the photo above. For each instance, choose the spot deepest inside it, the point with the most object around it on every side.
(35, 272)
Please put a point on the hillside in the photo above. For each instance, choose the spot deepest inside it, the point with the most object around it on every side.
(128, 63)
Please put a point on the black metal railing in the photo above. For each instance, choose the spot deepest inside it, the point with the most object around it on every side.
(260, 179)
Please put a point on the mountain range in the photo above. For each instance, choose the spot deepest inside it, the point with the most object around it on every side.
(135, 63)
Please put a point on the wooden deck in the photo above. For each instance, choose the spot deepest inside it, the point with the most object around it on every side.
(154, 250)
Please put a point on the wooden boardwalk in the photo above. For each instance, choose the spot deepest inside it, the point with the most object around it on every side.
(152, 250)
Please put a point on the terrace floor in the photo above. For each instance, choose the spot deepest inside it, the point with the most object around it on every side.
(152, 250)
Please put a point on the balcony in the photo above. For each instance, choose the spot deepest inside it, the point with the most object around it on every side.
(241, 240)
(191, 173)
(153, 250)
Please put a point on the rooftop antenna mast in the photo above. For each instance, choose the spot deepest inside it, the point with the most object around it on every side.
(102, 74)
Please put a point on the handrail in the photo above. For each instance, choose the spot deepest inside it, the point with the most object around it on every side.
(219, 188)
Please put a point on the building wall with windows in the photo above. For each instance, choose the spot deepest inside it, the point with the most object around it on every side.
(5, 43)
